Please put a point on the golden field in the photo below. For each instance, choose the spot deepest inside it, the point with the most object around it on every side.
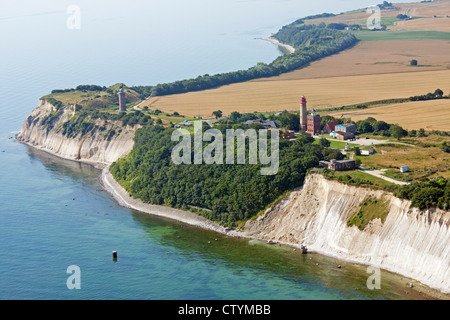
(375, 57)
(429, 115)
(277, 94)
(429, 24)
(439, 8)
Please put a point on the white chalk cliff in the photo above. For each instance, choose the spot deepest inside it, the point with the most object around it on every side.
(93, 148)
(410, 242)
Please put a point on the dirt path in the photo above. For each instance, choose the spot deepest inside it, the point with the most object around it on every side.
(379, 174)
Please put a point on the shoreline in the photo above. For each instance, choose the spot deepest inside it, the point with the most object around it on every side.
(188, 217)
(289, 49)
(123, 199)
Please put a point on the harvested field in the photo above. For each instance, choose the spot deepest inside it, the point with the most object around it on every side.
(427, 9)
(276, 93)
(429, 24)
(379, 57)
(437, 8)
(429, 115)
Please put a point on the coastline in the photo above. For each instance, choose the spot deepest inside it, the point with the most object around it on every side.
(193, 219)
(124, 199)
(289, 49)
(188, 217)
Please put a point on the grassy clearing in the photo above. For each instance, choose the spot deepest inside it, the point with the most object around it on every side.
(357, 178)
(370, 209)
(424, 162)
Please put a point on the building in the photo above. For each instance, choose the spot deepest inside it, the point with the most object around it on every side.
(366, 152)
(303, 115)
(266, 124)
(287, 134)
(313, 123)
(346, 127)
(122, 100)
(338, 165)
(186, 123)
(343, 135)
(330, 127)
(404, 169)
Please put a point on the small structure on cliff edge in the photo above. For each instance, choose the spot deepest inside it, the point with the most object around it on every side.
(338, 165)
(122, 100)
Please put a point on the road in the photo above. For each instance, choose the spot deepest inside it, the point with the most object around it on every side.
(379, 174)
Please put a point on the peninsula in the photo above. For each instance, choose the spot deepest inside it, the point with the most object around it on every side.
(354, 216)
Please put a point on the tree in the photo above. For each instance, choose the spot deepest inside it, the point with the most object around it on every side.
(414, 62)
(217, 114)
(364, 126)
(426, 197)
(380, 126)
(445, 147)
(397, 131)
(324, 143)
(438, 93)
(421, 133)
(256, 126)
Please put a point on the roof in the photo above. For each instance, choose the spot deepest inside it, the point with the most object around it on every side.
(265, 123)
(332, 124)
(346, 125)
(339, 161)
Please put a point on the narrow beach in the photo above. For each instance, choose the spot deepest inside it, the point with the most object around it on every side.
(289, 48)
(124, 199)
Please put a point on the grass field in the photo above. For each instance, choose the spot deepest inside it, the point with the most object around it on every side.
(392, 35)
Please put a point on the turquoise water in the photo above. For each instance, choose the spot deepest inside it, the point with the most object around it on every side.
(55, 213)
(44, 231)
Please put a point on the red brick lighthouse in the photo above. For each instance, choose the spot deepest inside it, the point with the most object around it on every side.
(303, 115)
(122, 101)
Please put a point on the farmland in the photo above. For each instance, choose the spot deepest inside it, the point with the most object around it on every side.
(275, 94)
(429, 24)
(430, 115)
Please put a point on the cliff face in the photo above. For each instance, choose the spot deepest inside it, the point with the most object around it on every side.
(409, 242)
(93, 147)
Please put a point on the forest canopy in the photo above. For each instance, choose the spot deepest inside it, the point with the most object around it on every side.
(228, 193)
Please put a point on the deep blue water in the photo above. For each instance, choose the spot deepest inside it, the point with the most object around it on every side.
(54, 213)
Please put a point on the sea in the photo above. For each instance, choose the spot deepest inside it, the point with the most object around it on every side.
(55, 216)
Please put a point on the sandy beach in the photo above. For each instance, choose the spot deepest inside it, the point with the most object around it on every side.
(289, 48)
(124, 199)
